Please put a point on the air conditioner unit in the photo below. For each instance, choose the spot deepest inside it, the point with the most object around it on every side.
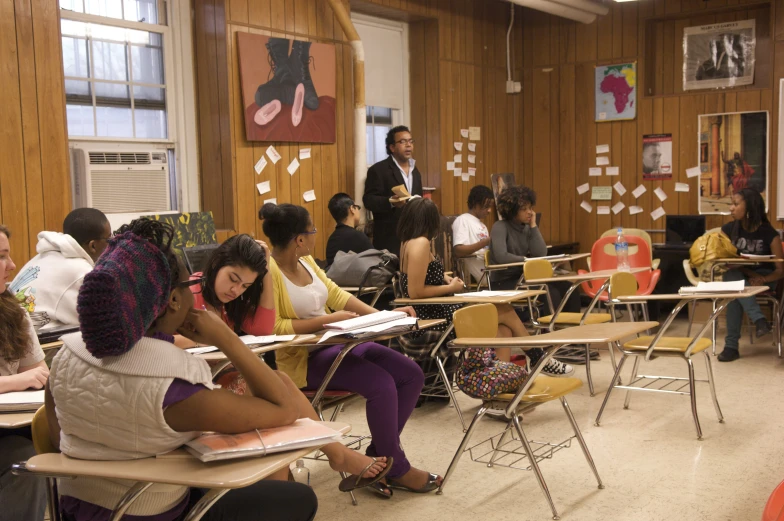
(121, 180)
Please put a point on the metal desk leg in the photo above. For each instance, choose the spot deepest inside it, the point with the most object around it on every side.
(205, 503)
(128, 499)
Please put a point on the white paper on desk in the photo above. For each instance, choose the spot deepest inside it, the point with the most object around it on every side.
(547, 257)
(22, 397)
(658, 213)
(378, 328)
(603, 210)
(274, 200)
(487, 293)
(269, 339)
(637, 192)
(465, 176)
(633, 210)
(611, 170)
(715, 287)
(263, 187)
(693, 172)
(450, 165)
(619, 188)
(304, 153)
(471, 171)
(751, 256)
(472, 147)
(602, 149)
(458, 158)
(583, 188)
(594, 171)
(273, 154)
(602, 160)
(661, 194)
(458, 146)
(585, 205)
(260, 164)
(293, 166)
(463, 132)
(309, 196)
(617, 207)
(681, 187)
(201, 350)
(472, 159)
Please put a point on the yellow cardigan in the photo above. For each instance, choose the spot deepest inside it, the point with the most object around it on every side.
(294, 360)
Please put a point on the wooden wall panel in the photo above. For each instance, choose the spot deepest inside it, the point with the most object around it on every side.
(628, 33)
(35, 187)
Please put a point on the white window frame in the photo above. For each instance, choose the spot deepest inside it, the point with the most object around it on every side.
(180, 109)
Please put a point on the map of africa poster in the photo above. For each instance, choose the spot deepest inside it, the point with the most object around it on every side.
(616, 92)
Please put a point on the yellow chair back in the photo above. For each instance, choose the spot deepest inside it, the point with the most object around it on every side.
(537, 269)
(40, 428)
(622, 284)
(487, 257)
(480, 321)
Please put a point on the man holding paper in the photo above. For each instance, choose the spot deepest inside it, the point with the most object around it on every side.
(398, 171)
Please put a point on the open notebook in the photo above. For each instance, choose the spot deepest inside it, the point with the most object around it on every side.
(301, 434)
(21, 401)
(714, 287)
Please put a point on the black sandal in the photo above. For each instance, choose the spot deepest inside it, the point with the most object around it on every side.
(430, 486)
(355, 482)
(381, 489)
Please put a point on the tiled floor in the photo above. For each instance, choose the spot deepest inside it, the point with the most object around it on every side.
(652, 464)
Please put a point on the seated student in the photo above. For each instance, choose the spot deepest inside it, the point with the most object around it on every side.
(346, 237)
(518, 236)
(22, 367)
(50, 282)
(470, 237)
(306, 300)
(422, 276)
(120, 389)
(750, 232)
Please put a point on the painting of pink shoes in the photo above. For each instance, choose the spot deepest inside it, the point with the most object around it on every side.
(288, 89)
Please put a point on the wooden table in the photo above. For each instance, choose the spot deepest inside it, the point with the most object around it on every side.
(221, 361)
(463, 298)
(15, 420)
(219, 477)
(739, 261)
(577, 278)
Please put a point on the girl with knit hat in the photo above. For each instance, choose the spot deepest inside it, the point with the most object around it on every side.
(119, 389)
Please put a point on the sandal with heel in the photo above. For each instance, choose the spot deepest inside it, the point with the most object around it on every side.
(356, 482)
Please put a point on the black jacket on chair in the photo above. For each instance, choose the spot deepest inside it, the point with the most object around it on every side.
(381, 178)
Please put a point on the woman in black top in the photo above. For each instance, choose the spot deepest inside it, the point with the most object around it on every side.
(751, 233)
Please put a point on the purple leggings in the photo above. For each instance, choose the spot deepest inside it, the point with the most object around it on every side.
(388, 380)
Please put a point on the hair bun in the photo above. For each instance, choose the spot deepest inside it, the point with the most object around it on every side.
(269, 211)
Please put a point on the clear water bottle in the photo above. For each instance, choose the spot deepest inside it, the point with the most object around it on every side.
(301, 473)
(622, 251)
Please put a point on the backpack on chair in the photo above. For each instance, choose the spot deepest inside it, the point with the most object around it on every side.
(708, 248)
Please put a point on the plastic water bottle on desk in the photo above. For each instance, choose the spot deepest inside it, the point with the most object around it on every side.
(622, 251)
(301, 473)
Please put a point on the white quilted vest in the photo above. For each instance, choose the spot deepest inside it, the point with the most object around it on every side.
(112, 409)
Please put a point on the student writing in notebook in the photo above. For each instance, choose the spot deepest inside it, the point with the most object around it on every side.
(22, 367)
(306, 300)
(119, 389)
(750, 232)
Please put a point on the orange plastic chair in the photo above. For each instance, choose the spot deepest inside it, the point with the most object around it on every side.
(603, 258)
(774, 509)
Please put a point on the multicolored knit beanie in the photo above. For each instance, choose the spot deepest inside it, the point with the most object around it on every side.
(126, 291)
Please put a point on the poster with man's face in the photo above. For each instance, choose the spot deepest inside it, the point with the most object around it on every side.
(719, 55)
(657, 157)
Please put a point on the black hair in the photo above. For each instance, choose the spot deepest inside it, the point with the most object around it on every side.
(85, 225)
(243, 251)
(283, 222)
(160, 234)
(419, 218)
(478, 195)
(512, 199)
(339, 206)
(755, 209)
(391, 136)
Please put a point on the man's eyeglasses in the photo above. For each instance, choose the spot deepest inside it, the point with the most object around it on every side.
(193, 282)
(405, 142)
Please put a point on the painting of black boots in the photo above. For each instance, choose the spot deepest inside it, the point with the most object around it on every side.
(288, 89)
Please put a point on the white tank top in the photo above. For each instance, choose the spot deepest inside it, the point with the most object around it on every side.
(308, 301)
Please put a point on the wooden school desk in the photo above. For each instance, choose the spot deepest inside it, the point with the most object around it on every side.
(221, 361)
(555, 261)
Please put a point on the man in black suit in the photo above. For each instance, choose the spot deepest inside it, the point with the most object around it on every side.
(397, 169)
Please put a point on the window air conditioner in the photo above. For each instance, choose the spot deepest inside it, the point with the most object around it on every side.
(120, 181)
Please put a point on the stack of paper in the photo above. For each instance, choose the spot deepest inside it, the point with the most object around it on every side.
(393, 326)
(21, 401)
(714, 287)
(757, 257)
(366, 320)
(301, 434)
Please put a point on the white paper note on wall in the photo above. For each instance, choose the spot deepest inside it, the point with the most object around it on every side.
(260, 164)
(611, 170)
(458, 172)
(293, 166)
(602, 160)
(617, 207)
(693, 172)
(458, 158)
(463, 132)
(472, 147)
(637, 192)
(681, 187)
(602, 149)
(661, 194)
(304, 153)
(583, 188)
(472, 159)
(658, 213)
(594, 171)
(450, 165)
(465, 176)
(585, 205)
(274, 200)
(309, 196)
(263, 187)
(619, 188)
(273, 154)
(458, 146)
(471, 171)
(603, 210)
(635, 210)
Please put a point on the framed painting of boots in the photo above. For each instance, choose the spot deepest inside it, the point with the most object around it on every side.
(288, 89)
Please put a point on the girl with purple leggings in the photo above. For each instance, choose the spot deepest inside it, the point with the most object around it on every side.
(306, 300)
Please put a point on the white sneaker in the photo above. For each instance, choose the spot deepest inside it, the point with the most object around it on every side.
(557, 369)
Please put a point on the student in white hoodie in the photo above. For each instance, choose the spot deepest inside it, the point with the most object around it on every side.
(49, 283)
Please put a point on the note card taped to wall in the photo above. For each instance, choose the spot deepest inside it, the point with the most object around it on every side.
(601, 193)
